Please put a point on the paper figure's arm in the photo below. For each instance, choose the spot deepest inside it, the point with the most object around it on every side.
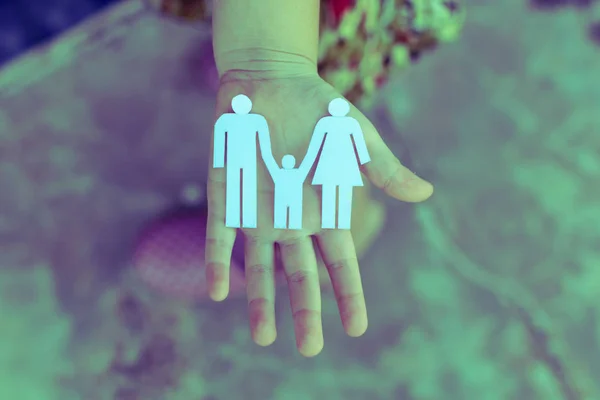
(304, 168)
(219, 143)
(313, 148)
(264, 142)
(361, 145)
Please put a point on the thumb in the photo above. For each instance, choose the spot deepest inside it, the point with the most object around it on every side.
(387, 172)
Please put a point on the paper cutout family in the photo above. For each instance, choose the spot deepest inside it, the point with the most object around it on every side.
(337, 169)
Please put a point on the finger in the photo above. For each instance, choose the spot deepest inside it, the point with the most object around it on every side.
(300, 266)
(260, 287)
(387, 172)
(337, 250)
(219, 241)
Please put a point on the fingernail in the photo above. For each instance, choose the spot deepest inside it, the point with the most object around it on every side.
(218, 295)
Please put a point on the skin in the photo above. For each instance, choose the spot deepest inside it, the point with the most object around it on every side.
(291, 105)
(280, 76)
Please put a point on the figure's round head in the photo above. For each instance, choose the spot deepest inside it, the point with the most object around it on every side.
(241, 104)
(339, 107)
(288, 161)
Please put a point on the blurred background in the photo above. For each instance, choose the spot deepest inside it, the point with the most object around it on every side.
(488, 291)
(26, 23)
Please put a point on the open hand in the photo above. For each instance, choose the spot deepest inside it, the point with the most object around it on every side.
(292, 106)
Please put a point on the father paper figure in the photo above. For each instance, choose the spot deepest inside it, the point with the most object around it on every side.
(236, 133)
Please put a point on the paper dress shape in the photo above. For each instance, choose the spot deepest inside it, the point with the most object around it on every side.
(337, 168)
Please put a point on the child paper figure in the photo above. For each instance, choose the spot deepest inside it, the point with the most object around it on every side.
(288, 183)
(337, 168)
(235, 146)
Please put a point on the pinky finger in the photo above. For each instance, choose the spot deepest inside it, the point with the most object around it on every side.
(219, 245)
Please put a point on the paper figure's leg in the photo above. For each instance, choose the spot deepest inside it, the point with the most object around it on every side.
(280, 217)
(328, 200)
(249, 197)
(232, 198)
(345, 207)
(295, 215)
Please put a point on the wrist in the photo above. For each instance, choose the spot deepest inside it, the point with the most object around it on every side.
(263, 63)
(266, 35)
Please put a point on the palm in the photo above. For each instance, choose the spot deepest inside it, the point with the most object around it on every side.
(292, 107)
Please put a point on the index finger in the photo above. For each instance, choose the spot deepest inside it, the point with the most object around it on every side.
(339, 254)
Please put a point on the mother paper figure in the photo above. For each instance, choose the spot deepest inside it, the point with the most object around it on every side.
(337, 168)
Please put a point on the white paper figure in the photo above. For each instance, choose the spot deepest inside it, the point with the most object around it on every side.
(235, 146)
(337, 168)
(288, 183)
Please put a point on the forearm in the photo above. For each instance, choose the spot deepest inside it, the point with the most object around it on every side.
(262, 35)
